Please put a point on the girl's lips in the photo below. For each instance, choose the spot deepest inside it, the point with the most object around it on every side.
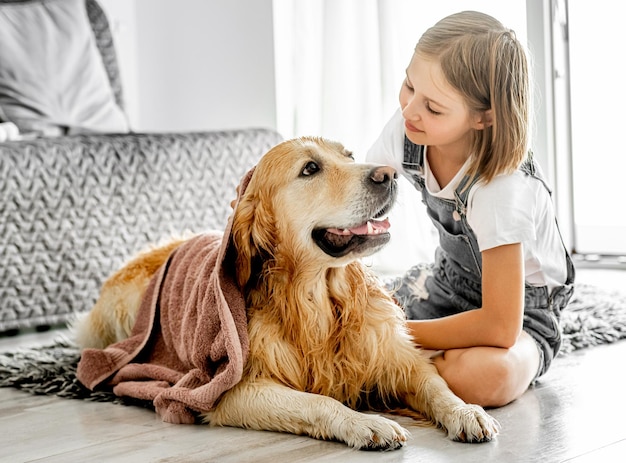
(411, 127)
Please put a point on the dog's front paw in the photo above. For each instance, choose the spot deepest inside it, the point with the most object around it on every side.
(470, 423)
(372, 432)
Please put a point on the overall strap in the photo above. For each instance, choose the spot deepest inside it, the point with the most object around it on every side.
(529, 167)
(461, 193)
(413, 162)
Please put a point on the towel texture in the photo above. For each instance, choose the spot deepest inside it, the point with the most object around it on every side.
(189, 343)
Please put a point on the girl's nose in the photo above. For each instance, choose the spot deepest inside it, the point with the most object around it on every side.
(410, 111)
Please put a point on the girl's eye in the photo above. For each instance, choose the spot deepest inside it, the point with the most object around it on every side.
(407, 85)
(310, 168)
(431, 110)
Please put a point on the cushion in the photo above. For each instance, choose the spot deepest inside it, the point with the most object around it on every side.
(52, 79)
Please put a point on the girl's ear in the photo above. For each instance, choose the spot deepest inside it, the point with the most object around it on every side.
(483, 120)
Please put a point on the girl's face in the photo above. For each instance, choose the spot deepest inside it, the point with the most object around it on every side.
(435, 114)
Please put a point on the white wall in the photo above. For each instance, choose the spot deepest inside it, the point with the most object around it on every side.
(195, 64)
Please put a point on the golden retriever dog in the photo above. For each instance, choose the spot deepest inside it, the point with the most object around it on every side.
(327, 342)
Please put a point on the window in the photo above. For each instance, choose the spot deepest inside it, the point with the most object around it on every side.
(591, 119)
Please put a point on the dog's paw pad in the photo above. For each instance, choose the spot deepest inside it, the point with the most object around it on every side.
(472, 424)
(373, 432)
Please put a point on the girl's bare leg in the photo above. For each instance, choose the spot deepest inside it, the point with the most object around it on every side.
(490, 376)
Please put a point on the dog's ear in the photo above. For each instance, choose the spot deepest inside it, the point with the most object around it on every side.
(241, 234)
(253, 233)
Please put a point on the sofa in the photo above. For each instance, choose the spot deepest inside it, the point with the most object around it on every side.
(75, 206)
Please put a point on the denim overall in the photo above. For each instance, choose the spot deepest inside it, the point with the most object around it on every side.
(453, 283)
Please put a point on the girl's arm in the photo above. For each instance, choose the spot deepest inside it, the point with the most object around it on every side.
(498, 323)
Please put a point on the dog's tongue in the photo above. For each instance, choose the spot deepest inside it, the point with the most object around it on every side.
(371, 227)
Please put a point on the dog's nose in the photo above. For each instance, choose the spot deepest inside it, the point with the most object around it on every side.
(383, 174)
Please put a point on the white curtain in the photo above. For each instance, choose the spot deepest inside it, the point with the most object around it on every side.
(339, 67)
(330, 76)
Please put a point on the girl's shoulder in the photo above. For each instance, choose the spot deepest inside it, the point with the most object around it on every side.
(504, 190)
(507, 209)
(389, 146)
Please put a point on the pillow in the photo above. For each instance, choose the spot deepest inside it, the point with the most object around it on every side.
(52, 79)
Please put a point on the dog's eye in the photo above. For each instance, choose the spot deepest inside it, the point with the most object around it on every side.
(310, 169)
(350, 155)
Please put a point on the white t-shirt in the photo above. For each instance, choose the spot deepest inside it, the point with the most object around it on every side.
(515, 208)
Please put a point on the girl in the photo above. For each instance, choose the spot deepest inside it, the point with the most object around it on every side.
(491, 302)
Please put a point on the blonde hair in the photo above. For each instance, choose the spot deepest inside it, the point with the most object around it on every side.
(488, 66)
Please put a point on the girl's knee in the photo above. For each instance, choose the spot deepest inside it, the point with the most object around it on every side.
(482, 378)
(503, 385)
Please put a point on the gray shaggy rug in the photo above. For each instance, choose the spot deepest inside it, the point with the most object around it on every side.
(594, 317)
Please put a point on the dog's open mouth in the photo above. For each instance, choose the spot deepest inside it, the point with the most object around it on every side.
(338, 242)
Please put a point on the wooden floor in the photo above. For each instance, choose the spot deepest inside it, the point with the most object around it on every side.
(574, 414)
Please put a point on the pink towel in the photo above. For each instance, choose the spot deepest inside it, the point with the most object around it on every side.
(190, 340)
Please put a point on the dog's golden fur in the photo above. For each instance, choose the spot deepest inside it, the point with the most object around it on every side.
(325, 338)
